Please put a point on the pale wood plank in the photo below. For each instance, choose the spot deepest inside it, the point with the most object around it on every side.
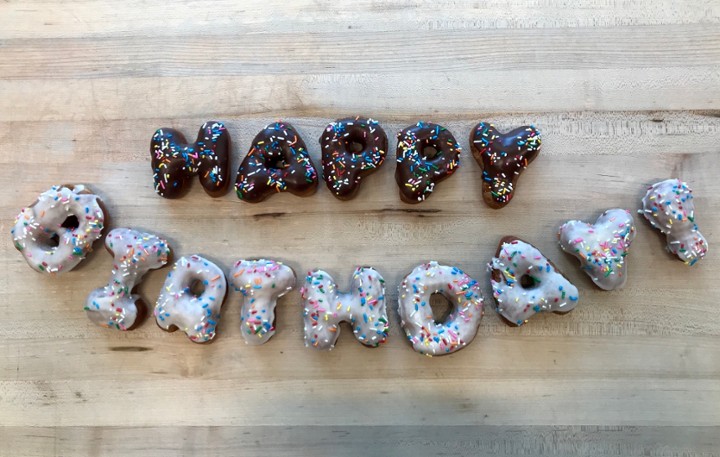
(324, 401)
(384, 96)
(47, 19)
(340, 441)
(669, 46)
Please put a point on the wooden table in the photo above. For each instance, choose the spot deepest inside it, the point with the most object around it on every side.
(625, 94)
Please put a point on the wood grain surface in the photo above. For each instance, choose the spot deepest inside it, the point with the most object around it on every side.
(625, 93)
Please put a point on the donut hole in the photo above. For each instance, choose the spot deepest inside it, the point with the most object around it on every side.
(355, 144)
(429, 152)
(48, 240)
(53, 241)
(71, 222)
(441, 308)
(528, 282)
(196, 288)
(278, 163)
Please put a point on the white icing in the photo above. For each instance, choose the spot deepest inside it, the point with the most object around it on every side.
(178, 307)
(459, 329)
(135, 253)
(601, 247)
(551, 290)
(363, 308)
(669, 207)
(38, 223)
(261, 283)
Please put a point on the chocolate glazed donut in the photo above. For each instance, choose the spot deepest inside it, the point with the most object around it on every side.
(175, 162)
(277, 162)
(418, 167)
(351, 149)
(502, 158)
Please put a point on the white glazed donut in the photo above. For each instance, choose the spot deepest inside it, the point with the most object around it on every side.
(363, 308)
(601, 247)
(524, 282)
(135, 253)
(179, 308)
(55, 233)
(261, 282)
(669, 207)
(459, 329)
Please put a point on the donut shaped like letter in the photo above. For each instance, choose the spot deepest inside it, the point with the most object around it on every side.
(278, 161)
(175, 162)
(427, 336)
(344, 167)
(261, 283)
(135, 253)
(182, 306)
(525, 282)
(55, 233)
(363, 308)
(426, 154)
(669, 207)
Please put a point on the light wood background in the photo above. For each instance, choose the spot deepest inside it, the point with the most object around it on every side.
(625, 93)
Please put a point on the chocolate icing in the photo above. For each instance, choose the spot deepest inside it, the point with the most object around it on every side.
(417, 174)
(503, 157)
(343, 168)
(277, 161)
(175, 162)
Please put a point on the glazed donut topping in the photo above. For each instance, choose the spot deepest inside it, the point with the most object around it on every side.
(260, 283)
(458, 330)
(175, 162)
(363, 308)
(278, 161)
(351, 149)
(426, 154)
(669, 207)
(135, 253)
(602, 247)
(56, 232)
(191, 298)
(525, 282)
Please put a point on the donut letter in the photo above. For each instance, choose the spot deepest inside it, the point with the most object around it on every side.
(135, 253)
(344, 166)
(502, 157)
(174, 162)
(669, 207)
(363, 308)
(191, 298)
(55, 233)
(524, 282)
(459, 329)
(261, 283)
(601, 247)
(277, 161)
(426, 154)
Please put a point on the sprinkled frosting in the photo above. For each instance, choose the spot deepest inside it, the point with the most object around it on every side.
(55, 233)
(135, 253)
(344, 168)
(363, 308)
(503, 157)
(427, 336)
(524, 282)
(601, 247)
(668, 206)
(178, 307)
(174, 162)
(261, 283)
(278, 161)
(417, 173)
